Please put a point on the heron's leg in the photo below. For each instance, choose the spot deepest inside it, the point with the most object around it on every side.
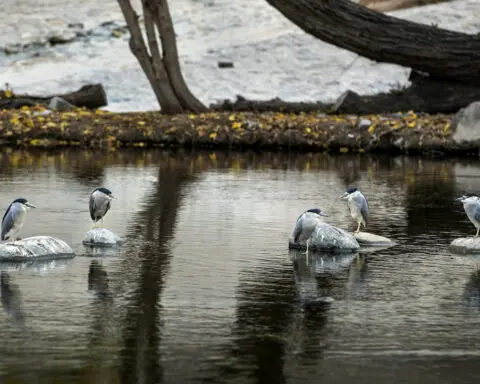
(306, 252)
(358, 228)
(478, 229)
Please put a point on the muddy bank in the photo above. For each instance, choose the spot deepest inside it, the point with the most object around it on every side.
(398, 133)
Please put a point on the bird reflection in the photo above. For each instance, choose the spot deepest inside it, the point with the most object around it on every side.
(472, 289)
(11, 298)
(98, 279)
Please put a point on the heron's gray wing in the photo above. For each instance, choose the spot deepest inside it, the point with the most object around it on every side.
(91, 206)
(476, 214)
(364, 209)
(298, 229)
(9, 219)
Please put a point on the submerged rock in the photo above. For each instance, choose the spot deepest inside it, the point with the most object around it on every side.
(326, 237)
(101, 237)
(465, 245)
(35, 248)
(372, 240)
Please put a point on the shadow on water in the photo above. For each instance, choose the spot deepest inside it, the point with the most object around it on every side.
(284, 317)
(148, 243)
(11, 298)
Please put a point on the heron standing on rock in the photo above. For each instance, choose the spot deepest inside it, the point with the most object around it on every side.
(14, 218)
(358, 206)
(99, 204)
(306, 224)
(471, 205)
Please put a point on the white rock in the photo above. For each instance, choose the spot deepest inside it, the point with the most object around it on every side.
(467, 124)
(101, 237)
(329, 238)
(35, 248)
(60, 104)
(370, 239)
(466, 245)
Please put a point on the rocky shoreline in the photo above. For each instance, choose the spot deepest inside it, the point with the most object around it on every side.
(407, 133)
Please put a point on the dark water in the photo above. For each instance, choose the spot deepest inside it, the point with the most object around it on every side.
(204, 288)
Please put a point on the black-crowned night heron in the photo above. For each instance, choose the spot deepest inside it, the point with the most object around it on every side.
(99, 204)
(358, 206)
(305, 225)
(471, 205)
(14, 218)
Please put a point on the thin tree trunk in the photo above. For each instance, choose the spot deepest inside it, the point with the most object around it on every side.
(379, 37)
(170, 56)
(163, 73)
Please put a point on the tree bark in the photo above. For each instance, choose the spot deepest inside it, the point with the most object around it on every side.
(170, 54)
(163, 73)
(391, 5)
(441, 53)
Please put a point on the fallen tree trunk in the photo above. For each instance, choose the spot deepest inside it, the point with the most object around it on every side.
(274, 105)
(426, 94)
(439, 52)
(90, 96)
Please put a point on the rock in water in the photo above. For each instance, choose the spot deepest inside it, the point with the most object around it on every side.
(466, 245)
(35, 248)
(326, 237)
(369, 239)
(101, 237)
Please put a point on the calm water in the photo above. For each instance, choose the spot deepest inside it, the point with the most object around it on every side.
(205, 289)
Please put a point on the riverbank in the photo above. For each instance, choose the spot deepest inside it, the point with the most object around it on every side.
(407, 133)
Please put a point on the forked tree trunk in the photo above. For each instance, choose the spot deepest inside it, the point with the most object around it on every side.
(441, 53)
(162, 71)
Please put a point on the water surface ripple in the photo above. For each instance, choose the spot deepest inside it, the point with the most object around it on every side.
(205, 289)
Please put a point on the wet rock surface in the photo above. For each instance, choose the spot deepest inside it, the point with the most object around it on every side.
(465, 245)
(35, 248)
(101, 237)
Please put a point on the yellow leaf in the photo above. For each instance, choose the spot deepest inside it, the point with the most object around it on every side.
(371, 129)
(231, 117)
(344, 150)
(8, 93)
(411, 124)
(192, 116)
(141, 123)
(212, 135)
(446, 127)
(236, 125)
(308, 130)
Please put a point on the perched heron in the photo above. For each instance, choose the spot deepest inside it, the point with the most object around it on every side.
(99, 204)
(14, 218)
(358, 206)
(306, 224)
(471, 205)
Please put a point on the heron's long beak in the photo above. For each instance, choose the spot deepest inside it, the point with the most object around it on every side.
(342, 196)
(30, 205)
(323, 214)
(459, 198)
(111, 196)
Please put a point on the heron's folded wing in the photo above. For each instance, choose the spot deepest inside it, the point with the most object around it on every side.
(9, 219)
(476, 214)
(364, 210)
(298, 229)
(91, 206)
